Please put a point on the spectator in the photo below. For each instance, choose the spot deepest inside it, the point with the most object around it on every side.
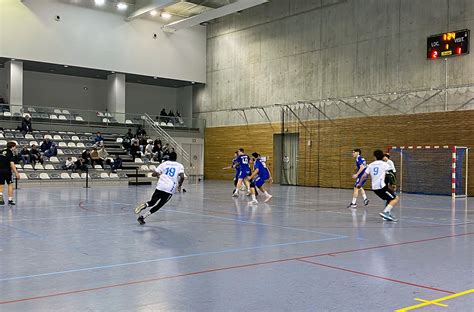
(95, 159)
(142, 142)
(80, 165)
(103, 154)
(26, 124)
(135, 150)
(46, 145)
(86, 156)
(149, 150)
(173, 154)
(140, 131)
(25, 155)
(157, 150)
(179, 118)
(163, 116)
(52, 151)
(171, 115)
(69, 164)
(115, 164)
(99, 140)
(129, 134)
(158, 141)
(35, 155)
(126, 143)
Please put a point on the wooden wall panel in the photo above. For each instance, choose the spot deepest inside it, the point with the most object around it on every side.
(337, 140)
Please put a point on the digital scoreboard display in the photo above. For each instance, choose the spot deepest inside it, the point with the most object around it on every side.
(453, 43)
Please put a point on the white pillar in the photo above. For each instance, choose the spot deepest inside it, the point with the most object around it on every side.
(14, 87)
(116, 101)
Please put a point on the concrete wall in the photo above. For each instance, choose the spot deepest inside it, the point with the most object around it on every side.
(290, 50)
(149, 99)
(96, 38)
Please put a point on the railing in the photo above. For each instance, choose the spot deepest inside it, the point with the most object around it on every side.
(56, 115)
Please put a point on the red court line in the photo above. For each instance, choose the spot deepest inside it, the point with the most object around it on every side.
(376, 276)
(225, 269)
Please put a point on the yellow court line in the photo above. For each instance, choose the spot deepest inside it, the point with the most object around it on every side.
(431, 302)
(424, 304)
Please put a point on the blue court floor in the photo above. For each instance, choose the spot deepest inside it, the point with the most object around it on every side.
(72, 249)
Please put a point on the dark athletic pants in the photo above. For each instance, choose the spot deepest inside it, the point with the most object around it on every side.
(158, 200)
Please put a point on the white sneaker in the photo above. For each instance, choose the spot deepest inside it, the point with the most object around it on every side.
(236, 194)
(140, 208)
(253, 202)
(268, 198)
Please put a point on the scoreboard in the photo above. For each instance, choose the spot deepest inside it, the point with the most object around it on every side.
(453, 43)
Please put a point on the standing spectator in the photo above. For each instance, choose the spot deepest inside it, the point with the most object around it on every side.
(35, 155)
(99, 140)
(135, 150)
(26, 125)
(25, 155)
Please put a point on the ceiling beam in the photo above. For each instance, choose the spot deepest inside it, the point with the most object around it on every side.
(212, 14)
(149, 5)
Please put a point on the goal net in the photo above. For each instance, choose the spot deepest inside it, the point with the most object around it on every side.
(437, 170)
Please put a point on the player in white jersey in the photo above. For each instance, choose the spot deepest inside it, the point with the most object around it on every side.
(377, 171)
(171, 178)
(391, 175)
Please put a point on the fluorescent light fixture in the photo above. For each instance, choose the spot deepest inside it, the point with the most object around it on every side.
(122, 6)
(166, 15)
(155, 77)
(99, 2)
(13, 59)
(66, 66)
(153, 13)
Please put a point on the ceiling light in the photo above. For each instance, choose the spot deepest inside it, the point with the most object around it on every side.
(66, 66)
(13, 59)
(166, 15)
(122, 6)
(113, 72)
(99, 2)
(153, 13)
(155, 77)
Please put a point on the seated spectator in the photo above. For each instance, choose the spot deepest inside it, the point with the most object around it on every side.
(149, 150)
(26, 125)
(171, 117)
(126, 143)
(129, 134)
(69, 164)
(46, 145)
(163, 116)
(135, 150)
(86, 156)
(140, 131)
(142, 142)
(166, 149)
(99, 140)
(158, 141)
(25, 155)
(95, 157)
(80, 165)
(53, 151)
(103, 154)
(157, 154)
(35, 155)
(179, 118)
(115, 164)
(173, 154)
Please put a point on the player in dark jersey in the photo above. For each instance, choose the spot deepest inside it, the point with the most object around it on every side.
(7, 166)
(235, 165)
(361, 165)
(244, 171)
(259, 176)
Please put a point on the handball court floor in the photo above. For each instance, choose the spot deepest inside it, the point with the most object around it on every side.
(76, 249)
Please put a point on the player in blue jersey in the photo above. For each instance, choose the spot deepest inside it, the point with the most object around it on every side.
(235, 165)
(361, 165)
(259, 176)
(244, 171)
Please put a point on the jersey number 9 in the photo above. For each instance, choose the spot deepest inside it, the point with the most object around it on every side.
(376, 170)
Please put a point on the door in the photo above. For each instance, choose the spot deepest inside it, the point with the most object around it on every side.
(285, 155)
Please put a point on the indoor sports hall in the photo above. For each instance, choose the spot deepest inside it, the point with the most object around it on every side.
(236, 155)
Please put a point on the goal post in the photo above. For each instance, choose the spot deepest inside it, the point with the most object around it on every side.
(436, 170)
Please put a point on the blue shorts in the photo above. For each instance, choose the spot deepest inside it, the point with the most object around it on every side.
(243, 174)
(258, 182)
(359, 178)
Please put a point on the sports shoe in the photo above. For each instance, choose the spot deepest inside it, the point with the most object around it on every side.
(140, 208)
(351, 205)
(248, 194)
(141, 220)
(366, 201)
(11, 203)
(236, 194)
(268, 198)
(253, 202)
(388, 216)
(2, 201)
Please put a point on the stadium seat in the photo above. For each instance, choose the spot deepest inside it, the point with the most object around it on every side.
(100, 114)
(57, 111)
(28, 166)
(79, 118)
(66, 112)
(62, 117)
(33, 176)
(54, 176)
(114, 176)
(38, 136)
(71, 132)
(119, 140)
(75, 175)
(163, 124)
(3, 143)
(39, 167)
(48, 167)
(128, 122)
(83, 175)
(19, 136)
(66, 137)
(44, 176)
(57, 137)
(53, 117)
(83, 138)
(65, 175)
(80, 144)
(170, 124)
(138, 161)
(31, 110)
(9, 135)
(104, 175)
(74, 159)
(45, 116)
(60, 152)
(57, 166)
(7, 114)
(98, 167)
(48, 136)
(75, 138)
(105, 120)
(144, 168)
(62, 144)
(89, 144)
(93, 175)
(33, 143)
(149, 174)
(23, 176)
(71, 144)
(122, 175)
(152, 167)
(29, 136)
